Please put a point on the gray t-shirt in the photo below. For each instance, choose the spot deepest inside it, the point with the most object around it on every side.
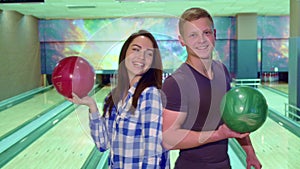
(188, 91)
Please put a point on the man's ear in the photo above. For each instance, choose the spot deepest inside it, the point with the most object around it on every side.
(215, 33)
(181, 40)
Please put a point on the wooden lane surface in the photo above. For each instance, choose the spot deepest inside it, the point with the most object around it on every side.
(67, 145)
(16, 115)
(281, 86)
(274, 100)
(276, 147)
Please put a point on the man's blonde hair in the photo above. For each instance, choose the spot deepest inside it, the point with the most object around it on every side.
(192, 14)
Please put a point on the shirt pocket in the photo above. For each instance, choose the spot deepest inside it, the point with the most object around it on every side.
(131, 126)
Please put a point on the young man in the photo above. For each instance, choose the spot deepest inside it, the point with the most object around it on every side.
(193, 93)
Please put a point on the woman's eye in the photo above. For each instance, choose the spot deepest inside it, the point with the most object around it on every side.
(149, 53)
(136, 49)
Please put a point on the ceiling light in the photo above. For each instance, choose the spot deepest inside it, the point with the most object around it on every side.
(80, 6)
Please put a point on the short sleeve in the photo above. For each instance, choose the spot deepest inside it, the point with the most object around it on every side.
(172, 96)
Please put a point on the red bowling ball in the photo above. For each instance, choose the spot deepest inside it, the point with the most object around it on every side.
(73, 74)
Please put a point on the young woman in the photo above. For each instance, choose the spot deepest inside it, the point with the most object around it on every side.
(131, 124)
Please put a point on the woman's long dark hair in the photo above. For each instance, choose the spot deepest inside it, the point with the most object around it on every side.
(153, 77)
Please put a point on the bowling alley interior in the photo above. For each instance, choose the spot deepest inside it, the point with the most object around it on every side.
(258, 41)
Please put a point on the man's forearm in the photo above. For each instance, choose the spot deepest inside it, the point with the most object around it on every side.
(246, 144)
(184, 139)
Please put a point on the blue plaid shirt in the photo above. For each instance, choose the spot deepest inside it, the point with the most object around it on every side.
(134, 140)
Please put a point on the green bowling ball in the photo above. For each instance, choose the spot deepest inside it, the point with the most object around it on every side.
(244, 109)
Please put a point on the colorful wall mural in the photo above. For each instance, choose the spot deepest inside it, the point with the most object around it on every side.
(100, 40)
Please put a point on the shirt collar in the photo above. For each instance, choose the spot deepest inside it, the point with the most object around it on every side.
(132, 89)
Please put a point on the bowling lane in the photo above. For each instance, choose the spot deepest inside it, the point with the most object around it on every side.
(66, 145)
(275, 101)
(276, 147)
(21, 113)
(273, 140)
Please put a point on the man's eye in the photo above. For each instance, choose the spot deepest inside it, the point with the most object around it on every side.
(208, 32)
(193, 35)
